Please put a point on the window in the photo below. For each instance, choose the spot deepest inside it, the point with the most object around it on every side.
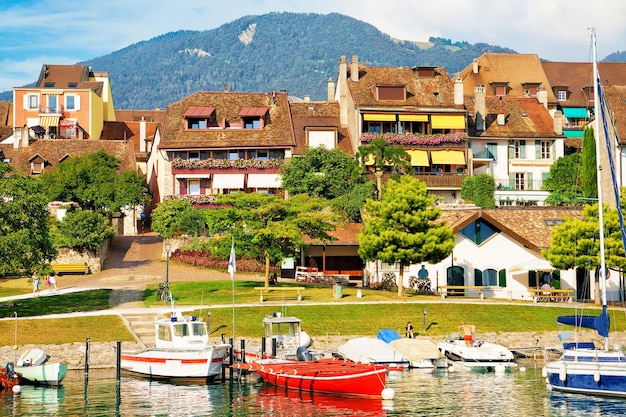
(193, 187)
(492, 149)
(194, 155)
(220, 155)
(490, 277)
(391, 92)
(520, 149)
(479, 231)
(520, 181)
(413, 127)
(48, 84)
(164, 333)
(262, 154)
(251, 122)
(37, 167)
(196, 124)
(561, 95)
(53, 104)
(546, 147)
(31, 102)
(381, 127)
(233, 155)
(71, 102)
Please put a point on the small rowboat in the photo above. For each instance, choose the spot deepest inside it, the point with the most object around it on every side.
(328, 375)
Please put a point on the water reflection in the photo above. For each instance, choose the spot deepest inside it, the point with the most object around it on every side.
(417, 393)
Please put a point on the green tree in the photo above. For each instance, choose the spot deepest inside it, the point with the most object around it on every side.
(381, 155)
(401, 227)
(589, 167)
(564, 180)
(480, 190)
(83, 230)
(329, 174)
(25, 241)
(166, 216)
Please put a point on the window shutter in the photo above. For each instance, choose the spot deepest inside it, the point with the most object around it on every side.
(553, 150)
(478, 277)
(522, 150)
(202, 186)
(25, 102)
(512, 180)
(529, 178)
(537, 149)
(183, 187)
(511, 149)
(76, 103)
(502, 278)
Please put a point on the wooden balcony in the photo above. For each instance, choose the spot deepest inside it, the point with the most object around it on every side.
(440, 181)
(228, 170)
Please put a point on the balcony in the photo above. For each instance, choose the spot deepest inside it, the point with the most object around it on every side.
(210, 166)
(438, 181)
(58, 110)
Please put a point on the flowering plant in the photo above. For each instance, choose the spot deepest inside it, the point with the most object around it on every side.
(227, 163)
(194, 199)
(416, 139)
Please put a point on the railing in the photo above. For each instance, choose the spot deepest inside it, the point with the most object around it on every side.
(484, 154)
(51, 110)
(508, 185)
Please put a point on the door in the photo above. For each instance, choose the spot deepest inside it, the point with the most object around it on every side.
(583, 286)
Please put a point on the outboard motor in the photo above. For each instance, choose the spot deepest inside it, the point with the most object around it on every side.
(10, 370)
(303, 354)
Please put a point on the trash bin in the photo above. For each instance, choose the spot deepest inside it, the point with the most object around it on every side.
(337, 290)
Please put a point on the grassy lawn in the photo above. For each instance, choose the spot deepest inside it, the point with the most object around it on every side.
(374, 311)
(15, 286)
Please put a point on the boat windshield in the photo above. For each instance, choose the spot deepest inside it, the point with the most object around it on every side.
(198, 329)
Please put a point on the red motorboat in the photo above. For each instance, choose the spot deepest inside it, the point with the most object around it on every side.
(8, 377)
(329, 375)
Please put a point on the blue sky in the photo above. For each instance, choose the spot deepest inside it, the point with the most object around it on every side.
(37, 32)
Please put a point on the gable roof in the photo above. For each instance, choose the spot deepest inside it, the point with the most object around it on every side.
(156, 115)
(514, 69)
(616, 98)
(321, 114)
(525, 117)
(62, 76)
(53, 151)
(277, 132)
(421, 92)
(129, 131)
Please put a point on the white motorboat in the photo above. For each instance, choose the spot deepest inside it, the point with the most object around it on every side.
(182, 351)
(481, 355)
(421, 353)
(35, 369)
(583, 368)
(372, 350)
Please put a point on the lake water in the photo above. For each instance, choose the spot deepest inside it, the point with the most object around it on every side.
(417, 393)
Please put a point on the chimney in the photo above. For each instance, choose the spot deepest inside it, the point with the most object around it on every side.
(17, 136)
(542, 96)
(475, 66)
(354, 68)
(480, 107)
(343, 90)
(558, 122)
(307, 97)
(501, 119)
(142, 135)
(458, 92)
(331, 90)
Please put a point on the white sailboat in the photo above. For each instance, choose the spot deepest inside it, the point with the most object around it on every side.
(583, 368)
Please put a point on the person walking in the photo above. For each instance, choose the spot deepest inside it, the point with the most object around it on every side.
(36, 284)
(53, 280)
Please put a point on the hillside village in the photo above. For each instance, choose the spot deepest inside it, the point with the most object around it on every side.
(507, 115)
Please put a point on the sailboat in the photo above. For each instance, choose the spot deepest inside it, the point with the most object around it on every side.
(583, 368)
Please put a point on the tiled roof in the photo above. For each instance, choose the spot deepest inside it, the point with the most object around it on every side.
(62, 75)
(514, 69)
(55, 150)
(277, 131)
(525, 117)
(343, 235)
(307, 114)
(6, 120)
(128, 131)
(616, 98)
(138, 115)
(422, 92)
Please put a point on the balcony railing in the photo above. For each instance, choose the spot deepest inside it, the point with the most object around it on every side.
(443, 180)
(484, 154)
(51, 110)
(508, 185)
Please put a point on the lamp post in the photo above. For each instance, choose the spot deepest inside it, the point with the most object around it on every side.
(168, 247)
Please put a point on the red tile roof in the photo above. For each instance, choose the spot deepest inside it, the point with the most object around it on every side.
(317, 114)
(198, 111)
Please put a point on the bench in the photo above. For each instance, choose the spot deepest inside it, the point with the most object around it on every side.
(265, 290)
(446, 290)
(539, 294)
(69, 268)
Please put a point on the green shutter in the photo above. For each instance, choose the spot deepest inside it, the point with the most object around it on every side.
(537, 149)
(511, 149)
(478, 277)
(512, 180)
(532, 279)
(502, 277)
(553, 151)
(529, 179)
(522, 149)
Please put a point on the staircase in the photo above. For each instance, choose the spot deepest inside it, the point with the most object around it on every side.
(142, 327)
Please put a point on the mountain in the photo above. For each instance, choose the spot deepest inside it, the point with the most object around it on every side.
(296, 52)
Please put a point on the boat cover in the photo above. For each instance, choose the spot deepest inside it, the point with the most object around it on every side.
(387, 335)
(599, 323)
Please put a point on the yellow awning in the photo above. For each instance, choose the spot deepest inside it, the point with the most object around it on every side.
(379, 117)
(448, 157)
(418, 158)
(47, 121)
(448, 121)
(413, 117)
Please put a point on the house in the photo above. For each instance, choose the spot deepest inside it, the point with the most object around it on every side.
(67, 102)
(222, 142)
(490, 246)
(316, 123)
(417, 108)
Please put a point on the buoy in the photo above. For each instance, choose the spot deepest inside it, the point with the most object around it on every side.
(14, 347)
(388, 394)
(544, 372)
(522, 369)
(596, 376)
(16, 389)
(563, 374)
(359, 294)
(451, 368)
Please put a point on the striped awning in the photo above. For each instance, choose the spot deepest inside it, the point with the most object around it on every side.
(228, 181)
(448, 157)
(456, 121)
(418, 158)
(264, 181)
(413, 117)
(379, 117)
(48, 121)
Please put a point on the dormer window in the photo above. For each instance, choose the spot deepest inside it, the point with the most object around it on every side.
(253, 117)
(531, 88)
(424, 72)
(588, 92)
(390, 92)
(500, 88)
(561, 95)
(48, 84)
(200, 118)
(72, 85)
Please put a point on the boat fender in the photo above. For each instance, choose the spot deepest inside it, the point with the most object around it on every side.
(544, 372)
(388, 394)
(596, 376)
(563, 374)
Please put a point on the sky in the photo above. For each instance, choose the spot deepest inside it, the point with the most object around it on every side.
(37, 32)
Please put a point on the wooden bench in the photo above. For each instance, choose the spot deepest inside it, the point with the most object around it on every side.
(446, 290)
(540, 294)
(265, 290)
(69, 268)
